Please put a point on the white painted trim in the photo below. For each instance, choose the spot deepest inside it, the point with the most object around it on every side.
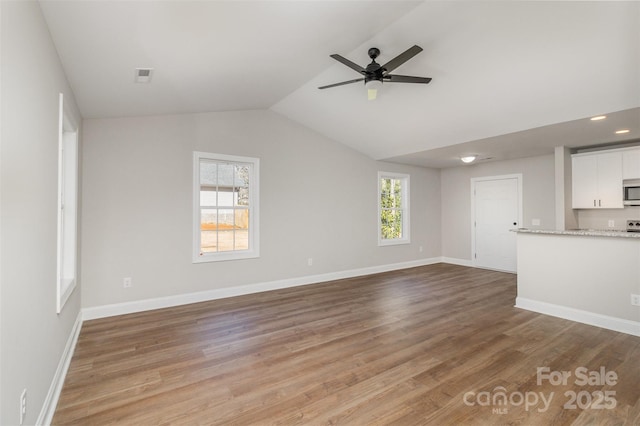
(221, 293)
(51, 400)
(67, 228)
(469, 263)
(406, 209)
(254, 209)
(456, 261)
(518, 177)
(585, 317)
(495, 269)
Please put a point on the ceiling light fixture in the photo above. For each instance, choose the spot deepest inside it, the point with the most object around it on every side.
(372, 89)
(468, 159)
(622, 131)
(598, 118)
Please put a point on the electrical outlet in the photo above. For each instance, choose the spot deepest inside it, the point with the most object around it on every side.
(23, 405)
(420, 249)
(535, 222)
(127, 282)
(635, 299)
(310, 261)
(611, 223)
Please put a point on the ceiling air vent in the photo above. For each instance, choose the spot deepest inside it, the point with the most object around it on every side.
(143, 75)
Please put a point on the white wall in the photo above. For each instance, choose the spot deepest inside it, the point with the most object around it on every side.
(32, 336)
(599, 218)
(317, 198)
(538, 175)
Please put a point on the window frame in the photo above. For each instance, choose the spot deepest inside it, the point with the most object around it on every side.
(254, 215)
(67, 209)
(405, 209)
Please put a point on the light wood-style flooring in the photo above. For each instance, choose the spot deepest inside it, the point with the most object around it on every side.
(433, 345)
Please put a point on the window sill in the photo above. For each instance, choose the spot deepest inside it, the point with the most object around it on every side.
(382, 243)
(222, 257)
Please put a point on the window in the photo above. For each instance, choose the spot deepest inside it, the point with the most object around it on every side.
(225, 207)
(393, 208)
(67, 206)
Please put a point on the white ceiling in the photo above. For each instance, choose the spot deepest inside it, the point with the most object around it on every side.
(510, 79)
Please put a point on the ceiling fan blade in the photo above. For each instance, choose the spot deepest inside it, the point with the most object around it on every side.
(348, 63)
(342, 83)
(406, 79)
(401, 58)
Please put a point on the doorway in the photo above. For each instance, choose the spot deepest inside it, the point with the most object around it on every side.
(496, 209)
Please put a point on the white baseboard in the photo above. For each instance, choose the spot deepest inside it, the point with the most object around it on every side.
(585, 317)
(51, 400)
(456, 261)
(183, 299)
(469, 263)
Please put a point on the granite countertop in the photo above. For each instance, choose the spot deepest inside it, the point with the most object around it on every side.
(581, 232)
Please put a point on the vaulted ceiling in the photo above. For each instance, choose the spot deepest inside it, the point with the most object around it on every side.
(510, 79)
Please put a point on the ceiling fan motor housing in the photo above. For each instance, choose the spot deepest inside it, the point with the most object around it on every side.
(374, 52)
(374, 70)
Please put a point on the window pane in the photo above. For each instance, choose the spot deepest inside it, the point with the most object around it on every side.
(242, 198)
(397, 226)
(225, 240)
(241, 185)
(391, 223)
(242, 219)
(208, 198)
(226, 227)
(242, 240)
(225, 198)
(208, 173)
(241, 175)
(225, 176)
(208, 230)
(391, 193)
(385, 193)
(397, 192)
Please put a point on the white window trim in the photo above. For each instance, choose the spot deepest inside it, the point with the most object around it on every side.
(406, 208)
(254, 207)
(67, 234)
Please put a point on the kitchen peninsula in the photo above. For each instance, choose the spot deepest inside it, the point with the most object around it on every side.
(582, 275)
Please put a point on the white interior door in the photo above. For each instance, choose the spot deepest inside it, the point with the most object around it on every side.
(497, 210)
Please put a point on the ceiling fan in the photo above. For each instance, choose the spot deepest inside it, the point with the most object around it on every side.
(374, 74)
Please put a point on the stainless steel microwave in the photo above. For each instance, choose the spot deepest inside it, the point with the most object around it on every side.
(631, 192)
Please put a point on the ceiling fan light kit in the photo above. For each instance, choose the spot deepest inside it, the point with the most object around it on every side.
(375, 74)
(372, 89)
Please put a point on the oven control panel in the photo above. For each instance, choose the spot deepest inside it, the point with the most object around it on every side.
(633, 225)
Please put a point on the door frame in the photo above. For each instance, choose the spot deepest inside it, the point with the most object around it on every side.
(475, 180)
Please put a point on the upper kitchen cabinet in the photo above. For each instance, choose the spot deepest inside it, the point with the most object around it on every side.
(597, 180)
(631, 164)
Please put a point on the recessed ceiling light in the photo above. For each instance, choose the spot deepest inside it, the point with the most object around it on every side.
(143, 75)
(622, 131)
(468, 159)
(598, 117)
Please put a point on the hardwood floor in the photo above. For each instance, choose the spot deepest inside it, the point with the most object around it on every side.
(433, 345)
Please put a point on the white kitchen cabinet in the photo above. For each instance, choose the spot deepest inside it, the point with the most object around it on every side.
(631, 164)
(597, 181)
